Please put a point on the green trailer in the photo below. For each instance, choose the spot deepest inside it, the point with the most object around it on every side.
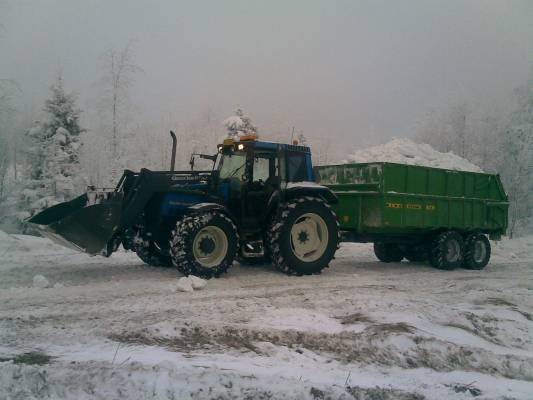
(419, 213)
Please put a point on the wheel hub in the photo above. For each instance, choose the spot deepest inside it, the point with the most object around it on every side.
(210, 246)
(309, 237)
(207, 245)
(303, 237)
(453, 251)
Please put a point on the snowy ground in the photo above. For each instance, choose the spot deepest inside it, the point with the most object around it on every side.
(115, 328)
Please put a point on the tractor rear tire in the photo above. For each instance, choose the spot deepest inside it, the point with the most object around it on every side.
(477, 251)
(303, 236)
(204, 244)
(388, 252)
(447, 251)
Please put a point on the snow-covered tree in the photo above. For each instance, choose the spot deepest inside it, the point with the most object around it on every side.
(118, 76)
(498, 140)
(518, 174)
(8, 88)
(52, 153)
(302, 140)
(240, 124)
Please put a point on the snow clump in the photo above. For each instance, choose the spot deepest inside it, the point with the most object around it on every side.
(197, 283)
(184, 285)
(405, 151)
(39, 281)
(190, 283)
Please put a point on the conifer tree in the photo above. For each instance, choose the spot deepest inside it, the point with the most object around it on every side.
(240, 124)
(53, 148)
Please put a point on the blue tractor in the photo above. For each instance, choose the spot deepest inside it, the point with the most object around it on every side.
(259, 202)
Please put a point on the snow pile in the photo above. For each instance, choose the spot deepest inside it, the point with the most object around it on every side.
(405, 151)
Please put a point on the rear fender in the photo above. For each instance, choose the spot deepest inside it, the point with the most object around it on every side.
(310, 189)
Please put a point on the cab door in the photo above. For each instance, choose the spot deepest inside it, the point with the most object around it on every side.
(263, 181)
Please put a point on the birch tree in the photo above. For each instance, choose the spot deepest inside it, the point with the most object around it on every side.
(119, 70)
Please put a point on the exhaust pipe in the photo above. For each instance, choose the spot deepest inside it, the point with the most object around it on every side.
(173, 159)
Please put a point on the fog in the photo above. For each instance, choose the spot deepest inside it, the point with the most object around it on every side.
(355, 71)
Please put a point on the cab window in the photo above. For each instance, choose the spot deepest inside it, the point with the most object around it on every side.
(233, 165)
(296, 167)
(261, 169)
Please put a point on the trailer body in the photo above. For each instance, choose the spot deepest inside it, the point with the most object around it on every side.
(401, 203)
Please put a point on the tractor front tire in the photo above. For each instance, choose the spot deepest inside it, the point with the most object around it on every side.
(477, 251)
(204, 244)
(303, 236)
(447, 251)
(388, 252)
(149, 252)
(151, 255)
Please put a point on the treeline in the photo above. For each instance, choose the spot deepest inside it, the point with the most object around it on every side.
(498, 140)
(52, 154)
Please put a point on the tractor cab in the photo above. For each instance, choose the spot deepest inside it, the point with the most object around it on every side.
(252, 175)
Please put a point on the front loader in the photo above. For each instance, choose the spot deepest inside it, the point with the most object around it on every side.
(258, 202)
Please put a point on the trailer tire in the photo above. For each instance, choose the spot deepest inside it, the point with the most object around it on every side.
(300, 220)
(388, 252)
(204, 244)
(447, 251)
(477, 251)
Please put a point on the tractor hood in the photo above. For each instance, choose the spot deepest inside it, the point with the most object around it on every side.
(190, 177)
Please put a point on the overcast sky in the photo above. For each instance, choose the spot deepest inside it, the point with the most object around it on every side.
(347, 69)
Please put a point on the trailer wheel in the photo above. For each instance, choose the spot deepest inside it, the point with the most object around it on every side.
(447, 251)
(388, 252)
(477, 251)
(204, 244)
(303, 237)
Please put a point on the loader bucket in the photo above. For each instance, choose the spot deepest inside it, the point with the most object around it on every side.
(81, 225)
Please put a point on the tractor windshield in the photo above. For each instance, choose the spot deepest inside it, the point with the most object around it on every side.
(232, 165)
